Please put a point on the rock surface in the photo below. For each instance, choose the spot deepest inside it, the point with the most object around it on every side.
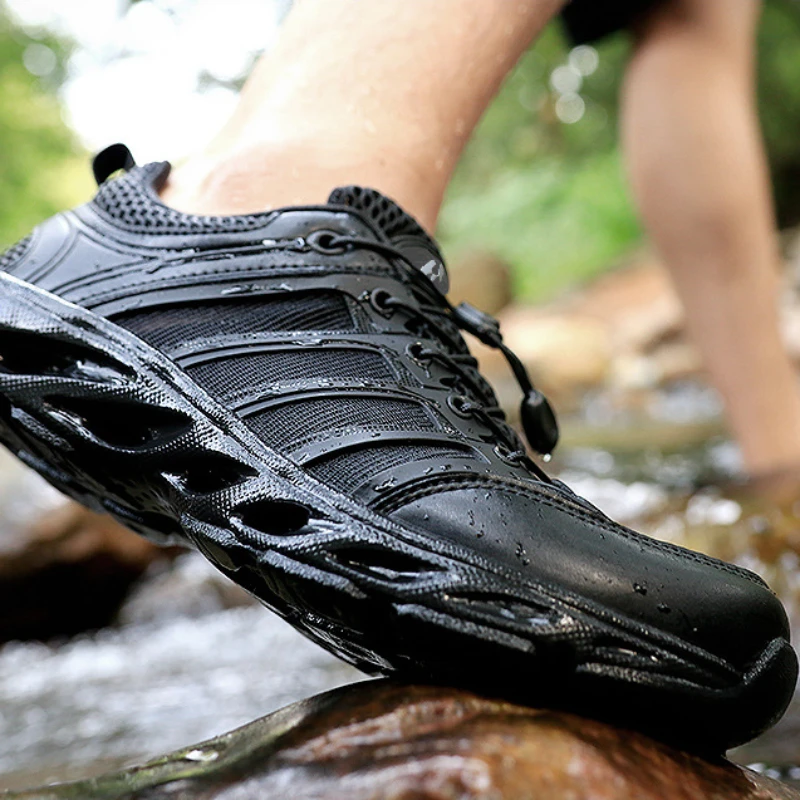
(623, 331)
(382, 740)
(63, 569)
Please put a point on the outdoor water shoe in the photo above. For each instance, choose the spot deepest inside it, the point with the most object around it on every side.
(290, 393)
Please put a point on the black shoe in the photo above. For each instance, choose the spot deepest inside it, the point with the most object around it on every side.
(290, 393)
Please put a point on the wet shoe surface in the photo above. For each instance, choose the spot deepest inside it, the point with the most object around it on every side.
(290, 393)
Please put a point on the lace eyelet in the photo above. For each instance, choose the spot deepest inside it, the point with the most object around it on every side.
(507, 455)
(457, 403)
(379, 299)
(415, 352)
(322, 241)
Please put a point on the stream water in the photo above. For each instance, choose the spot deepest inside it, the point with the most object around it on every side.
(185, 664)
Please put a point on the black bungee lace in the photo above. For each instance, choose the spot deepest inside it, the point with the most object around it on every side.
(536, 414)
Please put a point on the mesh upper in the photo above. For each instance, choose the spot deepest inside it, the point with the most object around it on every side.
(346, 470)
(168, 327)
(243, 376)
(131, 203)
(15, 252)
(247, 378)
(305, 420)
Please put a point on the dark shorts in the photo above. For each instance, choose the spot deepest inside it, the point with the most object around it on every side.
(589, 20)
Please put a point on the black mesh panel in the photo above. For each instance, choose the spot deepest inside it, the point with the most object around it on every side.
(15, 253)
(385, 213)
(238, 376)
(129, 200)
(169, 326)
(305, 420)
(346, 471)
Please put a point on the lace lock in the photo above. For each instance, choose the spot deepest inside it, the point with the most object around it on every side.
(480, 324)
(539, 422)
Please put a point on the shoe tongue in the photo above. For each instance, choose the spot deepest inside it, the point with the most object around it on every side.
(405, 233)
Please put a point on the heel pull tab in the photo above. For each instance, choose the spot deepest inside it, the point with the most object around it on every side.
(108, 161)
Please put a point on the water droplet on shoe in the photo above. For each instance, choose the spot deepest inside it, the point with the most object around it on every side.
(664, 609)
(639, 589)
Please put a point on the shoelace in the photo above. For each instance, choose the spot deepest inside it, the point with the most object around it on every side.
(536, 414)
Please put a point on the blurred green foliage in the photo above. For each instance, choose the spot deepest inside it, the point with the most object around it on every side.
(779, 102)
(546, 196)
(42, 169)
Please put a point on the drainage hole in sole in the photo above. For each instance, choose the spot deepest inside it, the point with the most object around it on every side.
(27, 353)
(120, 424)
(208, 472)
(275, 517)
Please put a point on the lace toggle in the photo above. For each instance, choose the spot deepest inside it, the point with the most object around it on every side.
(536, 414)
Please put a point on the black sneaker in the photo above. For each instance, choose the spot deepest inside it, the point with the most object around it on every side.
(290, 393)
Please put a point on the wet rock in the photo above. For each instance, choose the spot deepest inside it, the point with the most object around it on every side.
(72, 576)
(564, 352)
(623, 331)
(63, 569)
(381, 740)
(481, 278)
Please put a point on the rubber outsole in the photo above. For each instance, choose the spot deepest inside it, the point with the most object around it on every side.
(117, 426)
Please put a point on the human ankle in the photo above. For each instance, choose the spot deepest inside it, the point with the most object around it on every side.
(260, 177)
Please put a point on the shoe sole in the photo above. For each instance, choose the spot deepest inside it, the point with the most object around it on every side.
(117, 426)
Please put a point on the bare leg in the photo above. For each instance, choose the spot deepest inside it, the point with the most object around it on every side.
(384, 94)
(698, 171)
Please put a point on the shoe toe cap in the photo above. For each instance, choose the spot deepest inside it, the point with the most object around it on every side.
(724, 610)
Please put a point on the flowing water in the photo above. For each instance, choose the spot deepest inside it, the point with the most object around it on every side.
(97, 702)
(185, 663)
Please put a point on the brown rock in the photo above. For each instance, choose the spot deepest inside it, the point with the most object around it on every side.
(63, 569)
(564, 352)
(482, 279)
(637, 301)
(382, 740)
(623, 330)
(72, 576)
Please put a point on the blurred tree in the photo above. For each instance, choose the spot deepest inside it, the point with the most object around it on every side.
(42, 167)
